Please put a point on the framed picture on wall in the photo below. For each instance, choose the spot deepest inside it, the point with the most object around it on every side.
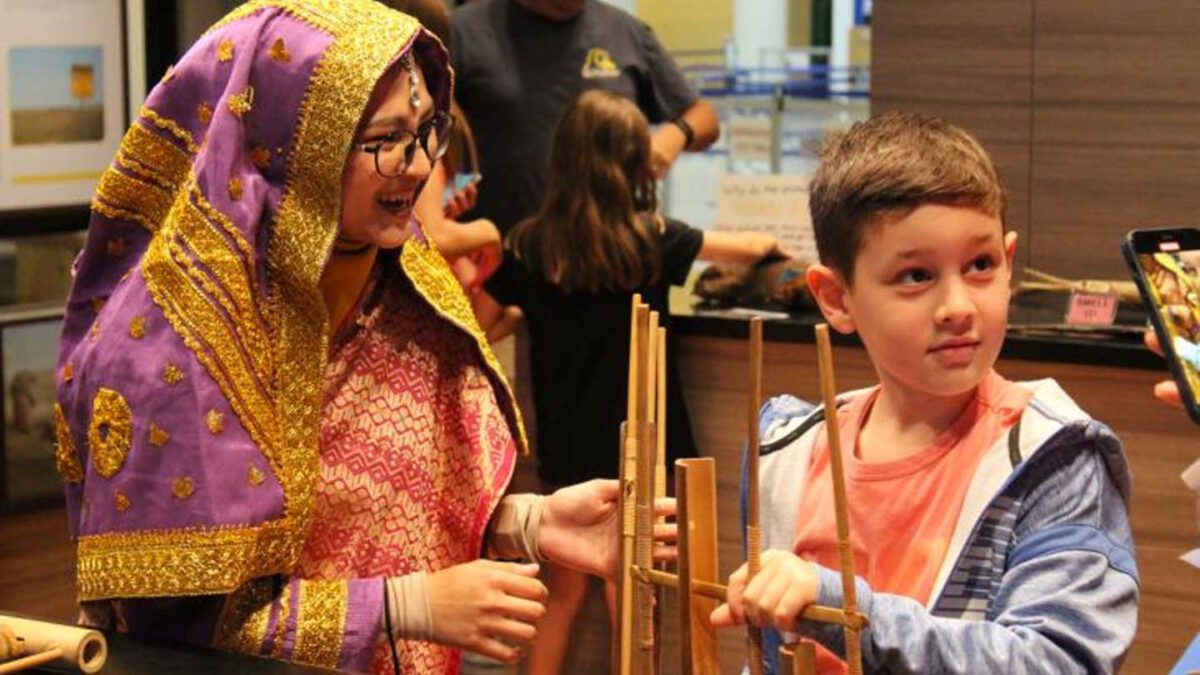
(29, 348)
(62, 102)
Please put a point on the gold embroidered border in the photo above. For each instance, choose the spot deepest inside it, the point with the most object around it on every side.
(243, 625)
(233, 288)
(190, 561)
(154, 157)
(367, 36)
(170, 126)
(65, 457)
(321, 623)
(134, 194)
(248, 255)
(110, 433)
(432, 278)
(115, 213)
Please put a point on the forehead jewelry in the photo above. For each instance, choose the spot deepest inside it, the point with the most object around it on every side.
(414, 97)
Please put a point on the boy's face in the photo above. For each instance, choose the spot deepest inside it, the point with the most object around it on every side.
(930, 298)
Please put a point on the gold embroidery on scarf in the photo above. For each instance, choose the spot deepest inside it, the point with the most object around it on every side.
(261, 157)
(235, 188)
(210, 239)
(243, 628)
(241, 103)
(116, 246)
(94, 333)
(320, 626)
(215, 421)
(172, 374)
(434, 281)
(98, 304)
(182, 487)
(68, 372)
(204, 113)
(221, 559)
(169, 75)
(188, 561)
(135, 195)
(110, 433)
(225, 51)
(170, 126)
(279, 52)
(121, 501)
(305, 226)
(158, 436)
(153, 157)
(137, 327)
(255, 476)
(122, 214)
(207, 333)
(65, 457)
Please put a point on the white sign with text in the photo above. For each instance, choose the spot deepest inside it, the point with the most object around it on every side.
(776, 205)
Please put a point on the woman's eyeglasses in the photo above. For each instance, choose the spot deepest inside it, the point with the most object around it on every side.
(394, 152)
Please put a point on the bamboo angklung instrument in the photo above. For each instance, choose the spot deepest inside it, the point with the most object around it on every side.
(849, 593)
(647, 458)
(754, 647)
(622, 651)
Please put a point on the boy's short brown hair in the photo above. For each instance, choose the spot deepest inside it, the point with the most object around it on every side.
(891, 164)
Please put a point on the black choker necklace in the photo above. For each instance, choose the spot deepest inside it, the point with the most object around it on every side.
(351, 251)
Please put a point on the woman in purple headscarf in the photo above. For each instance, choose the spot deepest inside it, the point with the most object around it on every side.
(281, 429)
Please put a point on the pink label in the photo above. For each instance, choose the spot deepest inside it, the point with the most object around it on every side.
(1091, 309)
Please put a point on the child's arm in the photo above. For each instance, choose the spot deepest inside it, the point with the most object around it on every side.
(496, 320)
(739, 247)
(1066, 602)
(453, 238)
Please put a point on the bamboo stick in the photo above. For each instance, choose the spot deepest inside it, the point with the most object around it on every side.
(622, 643)
(754, 653)
(647, 458)
(849, 594)
(696, 489)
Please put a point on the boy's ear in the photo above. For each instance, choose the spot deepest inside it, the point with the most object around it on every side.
(1010, 247)
(830, 291)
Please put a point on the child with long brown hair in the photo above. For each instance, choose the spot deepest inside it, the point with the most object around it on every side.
(571, 270)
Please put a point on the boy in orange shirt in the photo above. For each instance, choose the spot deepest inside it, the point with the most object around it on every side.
(989, 518)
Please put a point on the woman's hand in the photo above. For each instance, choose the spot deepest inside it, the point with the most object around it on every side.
(1165, 391)
(487, 607)
(784, 586)
(580, 528)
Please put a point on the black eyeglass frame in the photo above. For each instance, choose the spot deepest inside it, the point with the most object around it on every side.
(409, 153)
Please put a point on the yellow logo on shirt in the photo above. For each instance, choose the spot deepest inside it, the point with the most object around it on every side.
(599, 65)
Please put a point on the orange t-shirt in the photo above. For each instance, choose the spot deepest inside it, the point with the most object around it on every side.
(902, 512)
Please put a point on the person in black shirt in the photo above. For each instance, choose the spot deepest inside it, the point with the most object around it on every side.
(571, 270)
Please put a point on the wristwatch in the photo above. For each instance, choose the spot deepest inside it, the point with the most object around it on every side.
(689, 134)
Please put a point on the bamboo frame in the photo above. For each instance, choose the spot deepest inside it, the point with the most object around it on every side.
(643, 478)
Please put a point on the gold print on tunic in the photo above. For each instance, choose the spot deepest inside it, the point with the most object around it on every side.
(110, 433)
(235, 188)
(204, 113)
(68, 372)
(137, 327)
(255, 476)
(279, 52)
(121, 501)
(225, 51)
(66, 459)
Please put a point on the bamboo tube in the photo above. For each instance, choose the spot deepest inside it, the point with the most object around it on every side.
(696, 489)
(798, 659)
(622, 647)
(754, 652)
(660, 420)
(849, 594)
(647, 458)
